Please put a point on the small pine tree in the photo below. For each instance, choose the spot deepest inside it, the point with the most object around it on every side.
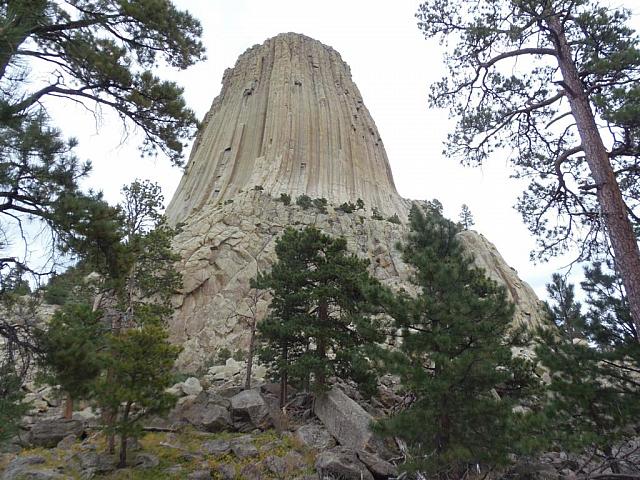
(455, 358)
(285, 198)
(12, 407)
(70, 351)
(321, 315)
(141, 364)
(466, 218)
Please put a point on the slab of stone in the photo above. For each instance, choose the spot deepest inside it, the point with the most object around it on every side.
(315, 437)
(342, 463)
(48, 433)
(217, 447)
(381, 469)
(344, 419)
(244, 450)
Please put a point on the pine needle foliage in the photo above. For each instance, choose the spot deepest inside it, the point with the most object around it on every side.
(322, 314)
(455, 358)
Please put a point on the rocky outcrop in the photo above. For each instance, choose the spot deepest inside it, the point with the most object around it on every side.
(290, 119)
(223, 246)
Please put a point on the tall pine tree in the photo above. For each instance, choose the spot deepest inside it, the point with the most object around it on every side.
(455, 357)
(322, 318)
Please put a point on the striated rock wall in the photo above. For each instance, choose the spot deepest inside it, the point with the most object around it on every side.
(224, 246)
(290, 119)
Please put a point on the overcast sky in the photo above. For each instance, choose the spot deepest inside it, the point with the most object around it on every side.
(391, 63)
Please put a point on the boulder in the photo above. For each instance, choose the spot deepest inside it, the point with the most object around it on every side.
(342, 463)
(225, 471)
(146, 460)
(49, 433)
(206, 412)
(248, 406)
(93, 463)
(244, 450)
(200, 475)
(20, 466)
(348, 422)
(191, 386)
(217, 447)
(381, 469)
(315, 437)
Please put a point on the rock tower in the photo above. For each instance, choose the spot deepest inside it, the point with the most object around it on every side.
(289, 119)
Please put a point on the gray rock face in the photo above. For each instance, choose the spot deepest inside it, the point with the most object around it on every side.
(249, 406)
(315, 437)
(344, 419)
(21, 466)
(207, 412)
(258, 133)
(342, 463)
(288, 120)
(48, 433)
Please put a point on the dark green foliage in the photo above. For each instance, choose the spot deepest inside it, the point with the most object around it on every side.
(101, 52)
(304, 201)
(608, 315)
(360, 204)
(71, 346)
(140, 365)
(258, 188)
(11, 407)
(321, 315)
(504, 88)
(455, 358)
(564, 309)
(594, 394)
(285, 198)
(320, 204)
(69, 286)
(347, 207)
(466, 218)
(394, 219)
(375, 214)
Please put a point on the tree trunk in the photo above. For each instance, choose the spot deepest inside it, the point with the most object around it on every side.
(321, 346)
(68, 407)
(123, 438)
(252, 346)
(613, 208)
(284, 377)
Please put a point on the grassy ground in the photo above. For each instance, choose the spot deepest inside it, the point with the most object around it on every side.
(182, 453)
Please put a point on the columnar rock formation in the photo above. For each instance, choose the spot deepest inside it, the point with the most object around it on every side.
(289, 119)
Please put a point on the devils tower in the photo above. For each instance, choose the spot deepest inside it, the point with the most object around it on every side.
(288, 120)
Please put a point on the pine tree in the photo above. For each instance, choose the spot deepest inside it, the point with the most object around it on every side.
(321, 315)
(140, 362)
(12, 407)
(556, 83)
(564, 309)
(139, 294)
(455, 357)
(594, 393)
(466, 218)
(71, 346)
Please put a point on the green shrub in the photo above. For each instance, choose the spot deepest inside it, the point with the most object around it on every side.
(320, 204)
(285, 198)
(394, 219)
(258, 188)
(360, 204)
(375, 214)
(304, 201)
(347, 207)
